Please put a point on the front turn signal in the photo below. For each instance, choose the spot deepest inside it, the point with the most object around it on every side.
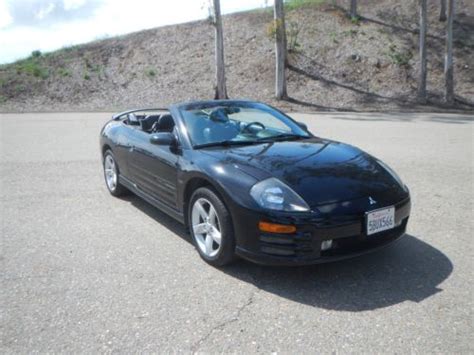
(276, 228)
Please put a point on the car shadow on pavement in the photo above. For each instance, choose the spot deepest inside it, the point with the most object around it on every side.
(409, 270)
(160, 217)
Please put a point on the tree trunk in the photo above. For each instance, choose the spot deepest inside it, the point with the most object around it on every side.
(442, 11)
(221, 89)
(353, 9)
(280, 51)
(423, 29)
(448, 61)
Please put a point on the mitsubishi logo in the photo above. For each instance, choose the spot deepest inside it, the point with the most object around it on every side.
(372, 201)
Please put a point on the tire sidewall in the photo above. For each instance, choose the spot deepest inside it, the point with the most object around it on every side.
(118, 188)
(226, 252)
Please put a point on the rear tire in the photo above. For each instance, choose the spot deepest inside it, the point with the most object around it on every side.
(111, 175)
(210, 225)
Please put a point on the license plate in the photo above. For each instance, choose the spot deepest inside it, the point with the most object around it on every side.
(380, 220)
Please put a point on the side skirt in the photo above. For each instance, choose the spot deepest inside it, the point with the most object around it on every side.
(151, 200)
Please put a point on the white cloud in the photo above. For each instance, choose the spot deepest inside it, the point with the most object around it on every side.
(45, 11)
(73, 4)
(5, 17)
(111, 17)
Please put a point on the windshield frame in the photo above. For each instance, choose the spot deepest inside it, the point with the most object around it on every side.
(279, 115)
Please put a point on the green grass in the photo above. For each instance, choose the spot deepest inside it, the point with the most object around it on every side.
(86, 76)
(296, 4)
(19, 88)
(31, 66)
(350, 32)
(398, 57)
(355, 20)
(151, 73)
(333, 37)
(64, 72)
(95, 68)
(67, 49)
(3, 99)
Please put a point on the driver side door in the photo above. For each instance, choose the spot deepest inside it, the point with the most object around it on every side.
(154, 168)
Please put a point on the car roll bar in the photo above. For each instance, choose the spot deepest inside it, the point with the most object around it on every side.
(121, 114)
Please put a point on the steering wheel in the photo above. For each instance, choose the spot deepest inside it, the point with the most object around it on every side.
(255, 123)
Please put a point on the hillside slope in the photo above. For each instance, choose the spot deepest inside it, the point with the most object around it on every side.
(338, 64)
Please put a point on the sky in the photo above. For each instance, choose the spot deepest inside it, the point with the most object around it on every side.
(47, 25)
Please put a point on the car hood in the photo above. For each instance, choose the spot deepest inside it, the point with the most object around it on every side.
(320, 171)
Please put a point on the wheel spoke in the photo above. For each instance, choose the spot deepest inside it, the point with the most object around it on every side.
(208, 244)
(212, 215)
(201, 210)
(216, 235)
(200, 228)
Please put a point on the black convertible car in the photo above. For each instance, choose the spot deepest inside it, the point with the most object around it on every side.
(249, 181)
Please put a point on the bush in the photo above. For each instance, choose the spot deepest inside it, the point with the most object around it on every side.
(400, 58)
(36, 54)
(355, 20)
(19, 88)
(293, 30)
(32, 67)
(151, 73)
(64, 72)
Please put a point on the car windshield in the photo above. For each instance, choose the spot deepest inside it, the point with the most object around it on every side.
(227, 123)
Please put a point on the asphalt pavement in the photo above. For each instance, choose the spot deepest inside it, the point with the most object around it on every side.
(82, 271)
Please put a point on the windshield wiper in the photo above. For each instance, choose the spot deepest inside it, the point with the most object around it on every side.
(283, 136)
(226, 143)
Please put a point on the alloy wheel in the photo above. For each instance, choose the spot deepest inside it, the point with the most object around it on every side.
(110, 170)
(206, 227)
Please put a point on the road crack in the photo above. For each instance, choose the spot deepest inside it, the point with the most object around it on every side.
(250, 300)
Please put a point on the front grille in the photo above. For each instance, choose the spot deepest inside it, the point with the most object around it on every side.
(357, 243)
(308, 244)
(298, 244)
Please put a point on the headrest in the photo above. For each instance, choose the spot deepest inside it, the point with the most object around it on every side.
(165, 123)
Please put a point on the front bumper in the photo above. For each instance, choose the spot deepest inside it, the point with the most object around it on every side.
(348, 235)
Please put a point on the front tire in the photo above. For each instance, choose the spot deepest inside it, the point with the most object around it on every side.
(111, 175)
(210, 224)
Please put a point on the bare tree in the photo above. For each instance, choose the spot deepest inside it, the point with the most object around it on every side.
(280, 50)
(448, 60)
(221, 89)
(423, 29)
(442, 11)
(353, 12)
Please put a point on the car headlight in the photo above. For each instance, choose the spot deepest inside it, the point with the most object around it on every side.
(393, 173)
(275, 195)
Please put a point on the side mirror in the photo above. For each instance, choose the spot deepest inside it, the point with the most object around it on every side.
(303, 126)
(162, 138)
